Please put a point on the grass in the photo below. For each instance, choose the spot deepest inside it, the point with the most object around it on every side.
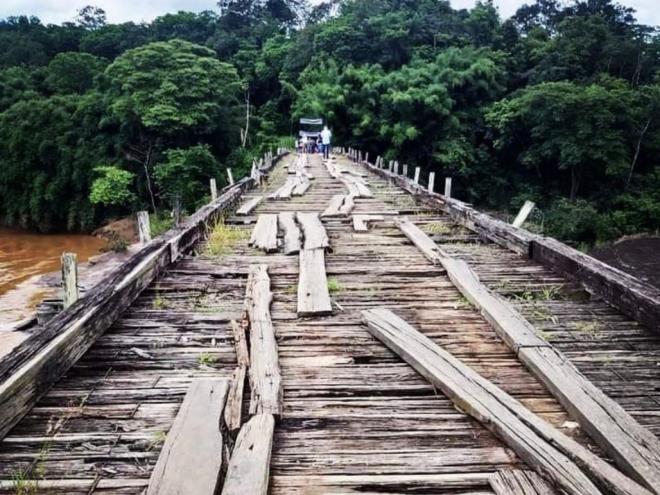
(206, 359)
(463, 303)
(160, 223)
(292, 289)
(23, 485)
(589, 327)
(223, 238)
(157, 440)
(334, 286)
(160, 302)
(438, 228)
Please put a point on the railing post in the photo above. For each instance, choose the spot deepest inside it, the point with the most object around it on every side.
(69, 278)
(230, 176)
(176, 210)
(431, 181)
(448, 187)
(144, 227)
(405, 170)
(391, 165)
(366, 157)
(214, 190)
(523, 213)
(396, 167)
(417, 172)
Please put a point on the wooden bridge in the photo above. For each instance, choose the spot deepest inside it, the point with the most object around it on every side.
(346, 332)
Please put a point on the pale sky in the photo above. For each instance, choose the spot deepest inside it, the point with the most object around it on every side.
(58, 11)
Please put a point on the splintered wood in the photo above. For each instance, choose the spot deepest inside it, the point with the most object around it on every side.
(264, 234)
(551, 453)
(191, 458)
(634, 448)
(233, 409)
(264, 372)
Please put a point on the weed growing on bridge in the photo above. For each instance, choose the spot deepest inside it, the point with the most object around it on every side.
(440, 228)
(223, 237)
(206, 359)
(591, 328)
(334, 286)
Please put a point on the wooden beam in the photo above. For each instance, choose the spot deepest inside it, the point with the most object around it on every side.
(548, 451)
(635, 449)
(248, 206)
(190, 461)
(144, 227)
(234, 407)
(264, 234)
(519, 482)
(69, 279)
(287, 224)
(313, 231)
(264, 372)
(313, 294)
(249, 466)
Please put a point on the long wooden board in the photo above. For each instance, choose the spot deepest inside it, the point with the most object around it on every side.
(249, 466)
(264, 371)
(190, 461)
(548, 451)
(264, 234)
(634, 448)
(313, 231)
(313, 294)
(247, 207)
(287, 223)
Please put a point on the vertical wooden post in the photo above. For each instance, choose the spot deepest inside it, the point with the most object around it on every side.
(405, 170)
(448, 187)
(523, 213)
(366, 157)
(231, 176)
(391, 166)
(69, 278)
(214, 190)
(417, 172)
(176, 210)
(431, 181)
(144, 227)
(396, 167)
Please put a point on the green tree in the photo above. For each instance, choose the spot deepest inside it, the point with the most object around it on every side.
(113, 187)
(73, 72)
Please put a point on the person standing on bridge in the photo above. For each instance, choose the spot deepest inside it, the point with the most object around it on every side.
(326, 138)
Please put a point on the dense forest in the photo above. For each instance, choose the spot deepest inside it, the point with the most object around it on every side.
(559, 104)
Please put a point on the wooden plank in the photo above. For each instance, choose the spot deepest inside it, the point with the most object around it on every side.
(264, 372)
(313, 294)
(190, 461)
(348, 205)
(313, 231)
(524, 212)
(361, 222)
(247, 207)
(264, 234)
(249, 466)
(549, 452)
(287, 223)
(333, 207)
(519, 482)
(301, 187)
(286, 190)
(240, 343)
(634, 448)
(234, 407)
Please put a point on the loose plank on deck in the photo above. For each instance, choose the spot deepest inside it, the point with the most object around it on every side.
(264, 234)
(249, 466)
(634, 448)
(313, 231)
(551, 453)
(287, 223)
(264, 372)
(191, 458)
(247, 207)
(313, 294)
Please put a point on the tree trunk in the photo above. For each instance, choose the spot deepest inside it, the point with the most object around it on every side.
(576, 176)
(148, 177)
(638, 147)
(247, 119)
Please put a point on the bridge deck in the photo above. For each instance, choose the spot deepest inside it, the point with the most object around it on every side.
(356, 418)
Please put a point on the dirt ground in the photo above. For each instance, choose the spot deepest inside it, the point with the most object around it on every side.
(639, 256)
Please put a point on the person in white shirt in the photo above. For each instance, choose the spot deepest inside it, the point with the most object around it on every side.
(326, 138)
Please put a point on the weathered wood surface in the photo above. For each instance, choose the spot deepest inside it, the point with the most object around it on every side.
(287, 224)
(302, 185)
(361, 222)
(264, 234)
(248, 206)
(234, 407)
(635, 449)
(190, 461)
(249, 466)
(313, 294)
(519, 482)
(550, 452)
(333, 207)
(264, 370)
(69, 279)
(313, 231)
(348, 205)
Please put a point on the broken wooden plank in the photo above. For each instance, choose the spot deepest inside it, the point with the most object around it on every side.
(361, 222)
(313, 231)
(348, 205)
(313, 294)
(234, 407)
(247, 207)
(548, 451)
(264, 372)
(191, 458)
(519, 482)
(287, 223)
(240, 343)
(249, 466)
(333, 207)
(635, 449)
(264, 234)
